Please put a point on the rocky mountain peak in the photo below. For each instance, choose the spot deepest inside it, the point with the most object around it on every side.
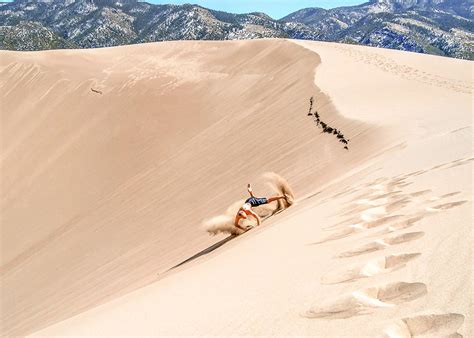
(441, 27)
(406, 4)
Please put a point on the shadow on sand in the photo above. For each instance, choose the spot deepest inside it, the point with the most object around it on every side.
(205, 251)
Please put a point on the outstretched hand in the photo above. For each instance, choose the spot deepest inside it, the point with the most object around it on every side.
(245, 229)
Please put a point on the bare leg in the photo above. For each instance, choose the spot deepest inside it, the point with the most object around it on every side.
(275, 198)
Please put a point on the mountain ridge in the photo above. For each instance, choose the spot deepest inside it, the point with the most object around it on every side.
(440, 27)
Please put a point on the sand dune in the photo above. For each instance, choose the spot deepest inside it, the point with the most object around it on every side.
(102, 193)
(117, 184)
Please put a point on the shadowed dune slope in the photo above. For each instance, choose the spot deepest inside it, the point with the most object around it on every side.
(111, 158)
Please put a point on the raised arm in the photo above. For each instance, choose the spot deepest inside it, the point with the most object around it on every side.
(249, 189)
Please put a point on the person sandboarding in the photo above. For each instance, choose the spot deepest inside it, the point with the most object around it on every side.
(246, 209)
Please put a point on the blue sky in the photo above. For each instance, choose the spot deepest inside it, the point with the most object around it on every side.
(275, 8)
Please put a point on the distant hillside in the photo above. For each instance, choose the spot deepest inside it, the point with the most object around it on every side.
(442, 27)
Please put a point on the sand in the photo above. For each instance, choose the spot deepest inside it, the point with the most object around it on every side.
(103, 193)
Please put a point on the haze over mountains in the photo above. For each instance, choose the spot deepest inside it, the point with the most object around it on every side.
(440, 27)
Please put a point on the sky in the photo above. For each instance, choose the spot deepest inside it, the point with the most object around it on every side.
(275, 8)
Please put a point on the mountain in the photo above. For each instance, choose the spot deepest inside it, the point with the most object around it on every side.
(103, 23)
(29, 35)
(442, 27)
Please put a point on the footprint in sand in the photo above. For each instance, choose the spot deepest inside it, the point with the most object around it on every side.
(373, 214)
(386, 194)
(373, 267)
(460, 162)
(445, 206)
(371, 222)
(389, 186)
(368, 300)
(431, 325)
(440, 166)
(365, 205)
(381, 244)
(355, 228)
(402, 224)
(437, 198)
(371, 210)
(384, 221)
(459, 129)
(397, 205)
(450, 194)
(453, 164)
(415, 173)
(420, 193)
(369, 194)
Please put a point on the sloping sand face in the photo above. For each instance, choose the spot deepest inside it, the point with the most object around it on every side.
(403, 188)
(111, 158)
